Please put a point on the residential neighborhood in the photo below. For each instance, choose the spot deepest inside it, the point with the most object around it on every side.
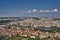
(32, 28)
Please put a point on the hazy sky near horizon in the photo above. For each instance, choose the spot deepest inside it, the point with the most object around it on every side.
(29, 8)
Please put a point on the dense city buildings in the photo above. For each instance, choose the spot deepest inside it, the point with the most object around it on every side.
(32, 28)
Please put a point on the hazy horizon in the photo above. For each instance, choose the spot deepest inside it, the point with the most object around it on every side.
(29, 8)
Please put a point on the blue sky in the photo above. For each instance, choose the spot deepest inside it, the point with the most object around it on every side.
(19, 8)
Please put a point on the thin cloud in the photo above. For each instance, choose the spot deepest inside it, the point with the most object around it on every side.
(29, 11)
(34, 10)
(55, 10)
(46, 11)
(43, 11)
